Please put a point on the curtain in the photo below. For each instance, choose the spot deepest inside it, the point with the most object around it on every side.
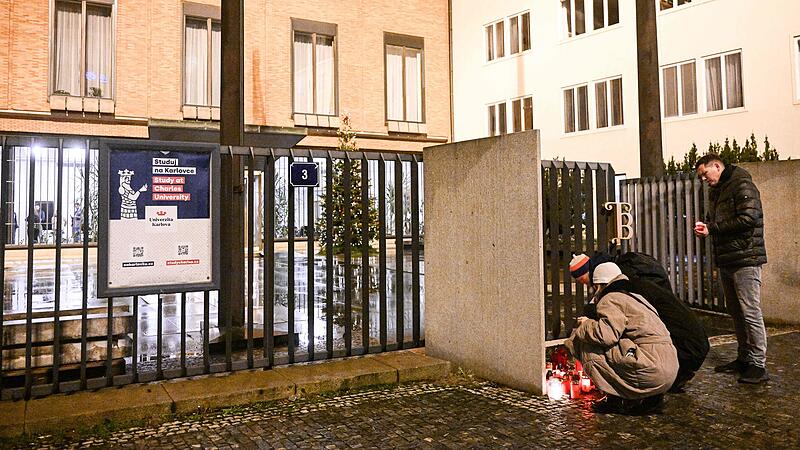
(67, 70)
(413, 85)
(713, 84)
(527, 106)
(566, 17)
(583, 108)
(569, 110)
(526, 31)
(196, 60)
(580, 17)
(613, 12)
(326, 93)
(601, 107)
(516, 112)
(670, 92)
(489, 43)
(394, 82)
(303, 74)
(499, 37)
(733, 78)
(492, 122)
(689, 88)
(501, 118)
(98, 51)
(514, 30)
(599, 14)
(216, 63)
(616, 102)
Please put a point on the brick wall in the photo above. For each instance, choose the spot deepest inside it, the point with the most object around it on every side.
(149, 58)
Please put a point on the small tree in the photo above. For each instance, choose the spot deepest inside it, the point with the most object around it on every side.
(729, 153)
(347, 143)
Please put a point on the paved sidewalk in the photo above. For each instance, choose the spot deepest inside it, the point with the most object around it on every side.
(715, 412)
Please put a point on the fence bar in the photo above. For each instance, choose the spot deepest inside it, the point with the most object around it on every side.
(183, 334)
(708, 257)
(57, 274)
(310, 290)
(33, 219)
(662, 232)
(251, 223)
(160, 338)
(348, 270)
(5, 205)
(671, 223)
(398, 247)
(588, 207)
(290, 264)
(602, 195)
(698, 245)
(555, 325)
(135, 357)
(415, 276)
(382, 250)
(654, 208)
(565, 247)
(365, 254)
(85, 274)
(269, 263)
(206, 331)
(577, 222)
(109, 342)
(624, 198)
(329, 256)
(680, 225)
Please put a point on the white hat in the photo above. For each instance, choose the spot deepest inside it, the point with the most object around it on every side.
(605, 272)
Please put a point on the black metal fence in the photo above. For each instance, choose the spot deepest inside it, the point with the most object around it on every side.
(302, 300)
(573, 194)
(664, 212)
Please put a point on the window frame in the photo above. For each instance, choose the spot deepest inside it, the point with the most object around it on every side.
(522, 114)
(406, 42)
(723, 81)
(609, 99)
(605, 15)
(566, 33)
(493, 111)
(679, 82)
(112, 4)
(491, 49)
(211, 15)
(674, 4)
(575, 125)
(315, 29)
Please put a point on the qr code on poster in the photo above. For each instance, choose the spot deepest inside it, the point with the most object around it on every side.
(183, 250)
(138, 252)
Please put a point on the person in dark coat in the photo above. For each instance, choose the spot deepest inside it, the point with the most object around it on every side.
(735, 223)
(686, 331)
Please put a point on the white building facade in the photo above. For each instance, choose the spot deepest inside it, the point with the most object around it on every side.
(729, 68)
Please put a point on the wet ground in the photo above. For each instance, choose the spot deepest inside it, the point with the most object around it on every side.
(714, 412)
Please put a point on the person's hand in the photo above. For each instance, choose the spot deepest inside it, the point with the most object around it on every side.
(580, 320)
(700, 229)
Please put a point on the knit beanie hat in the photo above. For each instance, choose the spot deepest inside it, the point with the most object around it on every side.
(605, 272)
(579, 265)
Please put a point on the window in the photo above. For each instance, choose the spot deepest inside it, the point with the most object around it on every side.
(202, 57)
(82, 53)
(605, 12)
(724, 82)
(495, 41)
(522, 114)
(608, 103)
(576, 109)
(314, 67)
(667, 4)
(796, 46)
(679, 85)
(497, 119)
(404, 78)
(573, 15)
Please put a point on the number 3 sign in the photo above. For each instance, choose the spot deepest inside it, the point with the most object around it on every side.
(304, 174)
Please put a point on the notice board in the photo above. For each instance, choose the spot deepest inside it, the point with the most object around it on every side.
(158, 217)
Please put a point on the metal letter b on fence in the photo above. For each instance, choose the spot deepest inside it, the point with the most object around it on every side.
(623, 221)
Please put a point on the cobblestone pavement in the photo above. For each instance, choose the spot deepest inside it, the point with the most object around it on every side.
(715, 412)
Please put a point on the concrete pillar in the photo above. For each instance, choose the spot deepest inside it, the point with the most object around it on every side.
(779, 183)
(484, 297)
(651, 156)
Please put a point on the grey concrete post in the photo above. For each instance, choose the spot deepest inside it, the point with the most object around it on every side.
(484, 289)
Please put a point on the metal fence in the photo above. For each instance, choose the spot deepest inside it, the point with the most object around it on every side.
(664, 212)
(302, 301)
(572, 197)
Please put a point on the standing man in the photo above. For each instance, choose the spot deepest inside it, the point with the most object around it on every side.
(735, 222)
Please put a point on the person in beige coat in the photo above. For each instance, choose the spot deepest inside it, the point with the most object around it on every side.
(626, 350)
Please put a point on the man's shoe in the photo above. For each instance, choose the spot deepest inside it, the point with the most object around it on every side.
(610, 404)
(734, 366)
(649, 405)
(754, 375)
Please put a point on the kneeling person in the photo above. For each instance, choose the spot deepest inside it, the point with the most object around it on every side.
(627, 350)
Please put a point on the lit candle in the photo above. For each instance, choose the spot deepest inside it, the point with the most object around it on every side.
(555, 389)
(586, 384)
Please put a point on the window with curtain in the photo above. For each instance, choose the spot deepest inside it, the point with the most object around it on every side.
(608, 103)
(573, 17)
(202, 59)
(576, 109)
(667, 4)
(314, 73)
(679, 87)
(521, 112)
(90, 76)
(605, 13)
(497, 119)
(724, 88)
(404, 80)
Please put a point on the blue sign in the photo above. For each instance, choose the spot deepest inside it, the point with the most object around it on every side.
(304, 174)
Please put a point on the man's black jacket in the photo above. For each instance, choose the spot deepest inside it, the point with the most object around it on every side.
(736, 221)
